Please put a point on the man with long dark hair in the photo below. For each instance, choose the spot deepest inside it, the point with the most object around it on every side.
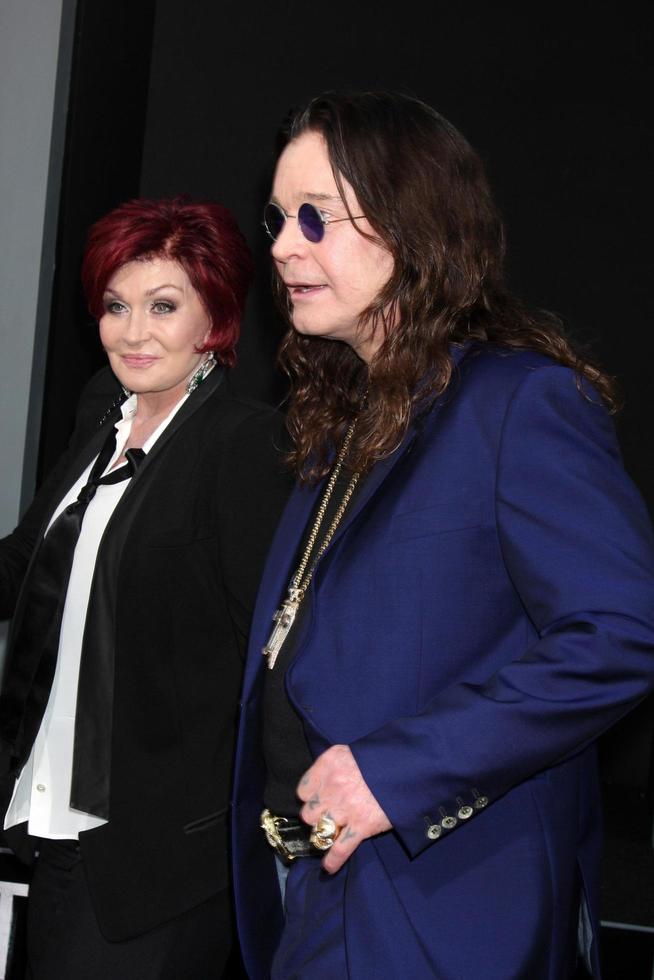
(460, 595)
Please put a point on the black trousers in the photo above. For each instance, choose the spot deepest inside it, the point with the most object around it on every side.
(64, 941)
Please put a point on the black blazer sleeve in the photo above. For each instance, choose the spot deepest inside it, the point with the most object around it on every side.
(16, 548)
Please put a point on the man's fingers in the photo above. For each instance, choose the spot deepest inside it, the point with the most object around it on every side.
(312, 811)
(305, 787)
(335, 787)
(341, 850)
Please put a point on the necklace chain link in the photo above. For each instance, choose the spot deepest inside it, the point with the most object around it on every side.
(285, 615)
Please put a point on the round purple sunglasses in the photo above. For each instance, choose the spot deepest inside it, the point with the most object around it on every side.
(311, 220)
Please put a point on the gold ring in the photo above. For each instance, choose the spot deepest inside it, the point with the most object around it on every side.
(324, 833)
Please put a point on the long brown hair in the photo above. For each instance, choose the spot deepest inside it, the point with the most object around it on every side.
(424, 191)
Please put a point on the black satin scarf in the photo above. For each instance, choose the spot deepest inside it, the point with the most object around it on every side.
(35, 633)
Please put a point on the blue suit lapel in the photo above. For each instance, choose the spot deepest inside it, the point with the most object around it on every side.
(276, 574)
(283, 552)
(280, 563)
(379, 473)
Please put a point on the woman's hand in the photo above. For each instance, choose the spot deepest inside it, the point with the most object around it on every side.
(334, 787)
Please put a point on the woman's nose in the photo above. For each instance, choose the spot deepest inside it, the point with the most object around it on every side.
(137, 327)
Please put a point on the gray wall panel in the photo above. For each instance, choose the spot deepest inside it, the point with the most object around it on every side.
(33, 95)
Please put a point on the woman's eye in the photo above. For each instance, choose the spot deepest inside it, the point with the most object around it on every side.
(113, 306)
(163, 306)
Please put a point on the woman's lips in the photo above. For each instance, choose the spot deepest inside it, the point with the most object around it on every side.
(299, 290)
(138, 360)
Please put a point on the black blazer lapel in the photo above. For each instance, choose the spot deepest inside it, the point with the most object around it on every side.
(90, 790)
(195, 401)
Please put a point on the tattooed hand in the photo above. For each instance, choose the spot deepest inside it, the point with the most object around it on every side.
(334, 786)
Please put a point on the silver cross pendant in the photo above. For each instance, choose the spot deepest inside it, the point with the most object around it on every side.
(283, 620)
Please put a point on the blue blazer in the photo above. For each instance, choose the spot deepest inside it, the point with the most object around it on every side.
(483, 613)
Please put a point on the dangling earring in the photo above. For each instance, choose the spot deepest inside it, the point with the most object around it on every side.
(198, 377)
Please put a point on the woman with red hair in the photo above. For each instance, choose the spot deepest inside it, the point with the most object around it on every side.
(131, 581)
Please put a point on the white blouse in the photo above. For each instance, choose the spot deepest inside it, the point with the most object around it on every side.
(42, 791)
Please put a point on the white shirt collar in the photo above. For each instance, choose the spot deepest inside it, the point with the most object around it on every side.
(124, 425)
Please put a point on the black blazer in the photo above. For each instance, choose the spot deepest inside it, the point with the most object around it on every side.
(169, 613)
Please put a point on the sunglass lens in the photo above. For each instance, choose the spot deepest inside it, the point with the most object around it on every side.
(311, 223)
(273, 219)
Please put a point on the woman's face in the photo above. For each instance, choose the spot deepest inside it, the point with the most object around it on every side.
(330, 282)
(152, 326)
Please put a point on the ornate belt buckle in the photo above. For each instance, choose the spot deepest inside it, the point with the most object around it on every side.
(270, 824)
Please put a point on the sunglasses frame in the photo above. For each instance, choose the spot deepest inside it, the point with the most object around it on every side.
(305, 204)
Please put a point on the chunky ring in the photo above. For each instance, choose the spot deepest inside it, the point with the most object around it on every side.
(324, 833)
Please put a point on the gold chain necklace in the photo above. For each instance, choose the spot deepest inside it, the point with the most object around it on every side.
(285, 615)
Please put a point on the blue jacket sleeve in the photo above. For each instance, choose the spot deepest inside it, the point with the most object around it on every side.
(577, 548)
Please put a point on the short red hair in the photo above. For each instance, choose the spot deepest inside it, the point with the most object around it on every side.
(202, 237)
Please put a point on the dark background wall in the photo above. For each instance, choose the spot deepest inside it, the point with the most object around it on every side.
(558, 104)
(101, 167)
(173, 96)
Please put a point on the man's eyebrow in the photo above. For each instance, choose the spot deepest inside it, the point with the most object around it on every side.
(316, 196)
(313, 196)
